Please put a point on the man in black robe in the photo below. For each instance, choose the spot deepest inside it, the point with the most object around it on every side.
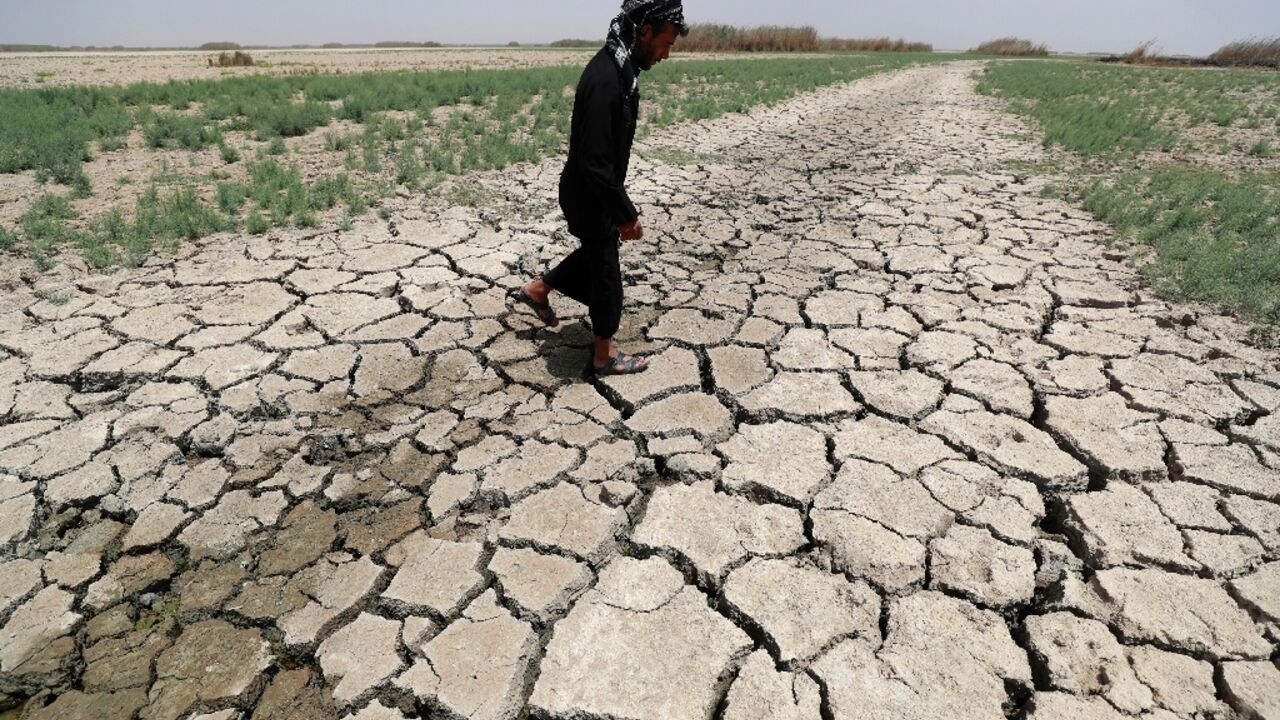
(593, 195)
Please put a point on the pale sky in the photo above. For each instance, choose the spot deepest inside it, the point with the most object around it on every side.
(1194, 27)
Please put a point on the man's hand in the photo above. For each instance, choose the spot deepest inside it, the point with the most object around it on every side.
(631, 231)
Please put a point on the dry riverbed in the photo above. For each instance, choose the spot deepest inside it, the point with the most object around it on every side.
(914, 444)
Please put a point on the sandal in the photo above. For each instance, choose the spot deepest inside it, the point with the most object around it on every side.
(620, 364)
(541, 309)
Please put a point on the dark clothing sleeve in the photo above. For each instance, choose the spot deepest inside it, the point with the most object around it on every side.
(603, 128)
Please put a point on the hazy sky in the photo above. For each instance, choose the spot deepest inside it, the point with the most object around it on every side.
(1178, 26)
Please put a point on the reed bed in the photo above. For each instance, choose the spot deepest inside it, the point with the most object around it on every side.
(1013, 47)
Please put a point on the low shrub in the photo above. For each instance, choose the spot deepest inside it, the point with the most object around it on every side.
(187, 132)
(236, 59)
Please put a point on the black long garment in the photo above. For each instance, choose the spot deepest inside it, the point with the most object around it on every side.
(592, 192)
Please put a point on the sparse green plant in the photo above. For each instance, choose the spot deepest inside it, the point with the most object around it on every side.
(467, 194)
(291, 119)
(256, 224)
(229, 154)
(1261, 149)
(188, 133)
(409, 169)
(276, 147)
(231, 197)
(80, 187)
(336, 142)
(8, 238)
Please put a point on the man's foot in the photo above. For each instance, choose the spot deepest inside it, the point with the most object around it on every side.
(541, 308)
(620, 364)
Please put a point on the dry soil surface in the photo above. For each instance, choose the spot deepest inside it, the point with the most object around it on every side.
(42, 69)
(914, 445)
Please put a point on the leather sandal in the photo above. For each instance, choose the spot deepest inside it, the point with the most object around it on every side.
(541, 309)
(620, 364)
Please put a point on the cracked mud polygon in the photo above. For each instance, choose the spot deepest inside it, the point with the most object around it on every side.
(915, 444)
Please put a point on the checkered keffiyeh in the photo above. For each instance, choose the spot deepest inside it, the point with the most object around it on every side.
(635, 13)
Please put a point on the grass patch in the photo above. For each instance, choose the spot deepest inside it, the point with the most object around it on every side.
(1097, 109)
(1212, 235)
(671, 156)
(518, 115)
(169, 130)
(414, 129)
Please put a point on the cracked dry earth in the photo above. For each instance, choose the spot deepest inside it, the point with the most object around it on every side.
(914, 445)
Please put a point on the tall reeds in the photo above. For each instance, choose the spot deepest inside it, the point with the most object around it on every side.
(709, 37)
(1265, 51)
(1012, 46)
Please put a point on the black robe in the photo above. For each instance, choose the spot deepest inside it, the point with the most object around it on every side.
(592, 187)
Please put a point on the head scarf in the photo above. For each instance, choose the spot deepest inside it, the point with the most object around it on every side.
(635, 14)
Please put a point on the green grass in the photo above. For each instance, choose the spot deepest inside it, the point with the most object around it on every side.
(518, 114)
(170, 130)
(493, 118)
(1214, 235)
(1097, 109)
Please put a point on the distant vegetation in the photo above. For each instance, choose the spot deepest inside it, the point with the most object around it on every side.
(220, 46)
(576, 43)
(882, 44)
(705, 37)
(403, 44)
(1242, 53)
(1250, 52)
(1011, 46)
(236, 59)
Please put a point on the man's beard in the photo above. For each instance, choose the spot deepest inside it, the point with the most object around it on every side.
(642, 58)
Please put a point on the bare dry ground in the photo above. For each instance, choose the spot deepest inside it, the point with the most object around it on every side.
(27, 70)
(914, 445)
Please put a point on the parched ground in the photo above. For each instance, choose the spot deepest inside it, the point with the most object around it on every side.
(42, 69)
(914, 445)
(26, 70)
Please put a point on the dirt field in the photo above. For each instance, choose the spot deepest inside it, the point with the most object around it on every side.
(914, 445)
(27, 70)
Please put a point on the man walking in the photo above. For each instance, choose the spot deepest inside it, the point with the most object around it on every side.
(592, 192)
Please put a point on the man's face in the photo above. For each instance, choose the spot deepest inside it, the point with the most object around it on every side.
(652, 48)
